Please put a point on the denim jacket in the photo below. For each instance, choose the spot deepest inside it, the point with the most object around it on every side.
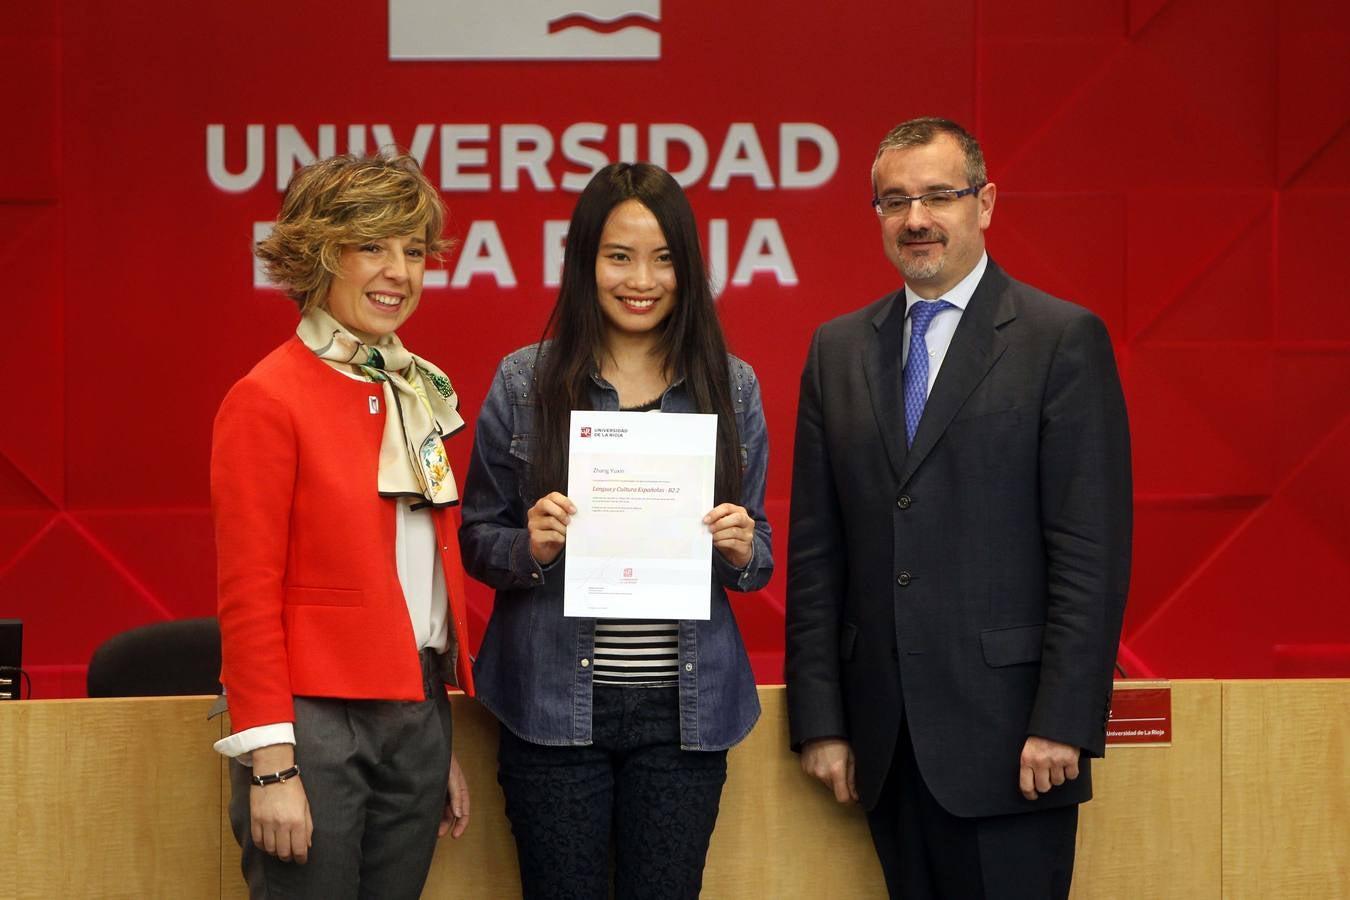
(534, 668)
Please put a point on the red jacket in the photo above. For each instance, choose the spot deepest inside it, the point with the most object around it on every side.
(309, 598)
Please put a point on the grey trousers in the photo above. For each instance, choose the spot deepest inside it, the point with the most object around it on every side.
(374, 773)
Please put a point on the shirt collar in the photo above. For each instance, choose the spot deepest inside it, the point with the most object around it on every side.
(959, 295)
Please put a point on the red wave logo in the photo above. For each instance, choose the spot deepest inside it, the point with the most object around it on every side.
(602, 26)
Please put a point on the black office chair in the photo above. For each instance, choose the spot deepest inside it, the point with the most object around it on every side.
(166, 659)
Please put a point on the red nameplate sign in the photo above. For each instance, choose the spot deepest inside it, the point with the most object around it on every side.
(1141, 713)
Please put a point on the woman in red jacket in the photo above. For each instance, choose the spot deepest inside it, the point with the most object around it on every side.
(341, 596)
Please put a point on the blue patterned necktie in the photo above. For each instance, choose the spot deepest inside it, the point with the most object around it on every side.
(916, 367)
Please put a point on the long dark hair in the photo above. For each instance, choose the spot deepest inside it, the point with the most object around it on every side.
(691, 342)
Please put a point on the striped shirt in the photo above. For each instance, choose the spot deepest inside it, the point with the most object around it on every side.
(637, 652)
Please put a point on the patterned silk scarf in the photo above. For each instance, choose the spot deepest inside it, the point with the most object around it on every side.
(419, 401)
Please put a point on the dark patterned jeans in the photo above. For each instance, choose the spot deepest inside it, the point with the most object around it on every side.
(633, 786)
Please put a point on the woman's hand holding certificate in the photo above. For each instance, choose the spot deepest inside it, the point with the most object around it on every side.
(733, 533)
(547, 526)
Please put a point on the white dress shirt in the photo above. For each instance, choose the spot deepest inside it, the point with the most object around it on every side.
(943, 326)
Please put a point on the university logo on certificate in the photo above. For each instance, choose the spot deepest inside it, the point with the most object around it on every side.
(637, 546)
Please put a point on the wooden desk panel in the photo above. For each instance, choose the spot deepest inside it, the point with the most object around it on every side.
(1153, 826)
(1286, 789)
(125, 798)
(780, 833)
(110, 798)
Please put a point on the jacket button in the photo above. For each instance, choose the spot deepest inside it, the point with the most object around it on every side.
(689, 667)
(903, 579)
(904, 501)
(534, 575)
(585, 663)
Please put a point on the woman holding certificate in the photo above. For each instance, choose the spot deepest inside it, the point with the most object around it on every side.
(614, 730)
(341, 595)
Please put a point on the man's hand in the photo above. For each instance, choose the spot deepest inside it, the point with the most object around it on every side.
(455, 820)
(1046, 764)
(831, 760)
(279, 813)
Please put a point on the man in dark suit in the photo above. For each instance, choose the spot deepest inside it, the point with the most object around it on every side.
(959, 553)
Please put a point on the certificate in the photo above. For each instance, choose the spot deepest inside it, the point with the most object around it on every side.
(637, 546)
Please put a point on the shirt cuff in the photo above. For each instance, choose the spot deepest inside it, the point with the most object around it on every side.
(743, 573)
(240, 746)
(738, 577)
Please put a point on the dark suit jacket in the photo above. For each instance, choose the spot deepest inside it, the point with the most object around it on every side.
(973, 584)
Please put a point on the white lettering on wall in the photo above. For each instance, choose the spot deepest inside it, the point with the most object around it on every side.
(421, 142)
(765, 251)
(790, 136)
(717, 256)
(555, 240)
(533, 160)
(659, 138)
(468, 152)
(628, 143)
(483, 253)
(741, 155)
(293, 152)
(576, 148)
(356, 139)
(260, 232)
(479, 157)
(455, 156)
(216, 169)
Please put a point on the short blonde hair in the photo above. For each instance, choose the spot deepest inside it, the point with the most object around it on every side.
(345, 200)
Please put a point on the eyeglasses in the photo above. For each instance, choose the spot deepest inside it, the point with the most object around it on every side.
(933, 201)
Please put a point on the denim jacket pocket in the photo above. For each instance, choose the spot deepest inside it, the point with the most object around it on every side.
(522, 447)
(522, 454)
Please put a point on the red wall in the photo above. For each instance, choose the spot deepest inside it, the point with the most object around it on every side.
(1181, 167)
